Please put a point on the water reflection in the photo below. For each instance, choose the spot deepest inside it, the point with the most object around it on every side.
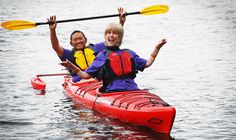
(97, 126)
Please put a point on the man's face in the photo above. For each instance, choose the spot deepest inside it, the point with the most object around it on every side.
(78, 41)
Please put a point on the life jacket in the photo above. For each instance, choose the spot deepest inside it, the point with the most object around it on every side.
(83, 58)
(117, 66)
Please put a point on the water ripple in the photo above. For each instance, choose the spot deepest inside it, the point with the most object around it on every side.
(15, 123)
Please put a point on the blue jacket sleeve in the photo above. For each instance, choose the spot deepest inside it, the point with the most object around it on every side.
(139, 62)
(66, 55)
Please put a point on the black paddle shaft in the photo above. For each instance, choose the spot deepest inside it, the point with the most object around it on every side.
(87, 18)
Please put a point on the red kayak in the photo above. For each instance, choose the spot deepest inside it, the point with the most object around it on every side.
(138, 107)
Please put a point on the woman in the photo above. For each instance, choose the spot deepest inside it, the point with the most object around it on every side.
(116, 67)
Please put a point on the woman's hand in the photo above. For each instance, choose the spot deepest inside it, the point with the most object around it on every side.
(161, 43)
(122, 15)
(68, 64)
(155, 53)
(71, 66)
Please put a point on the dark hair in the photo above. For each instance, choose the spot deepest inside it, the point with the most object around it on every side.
(77, 31)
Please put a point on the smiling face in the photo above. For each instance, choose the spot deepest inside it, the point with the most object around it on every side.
(113, 35)
(78, 40)
(112, 38)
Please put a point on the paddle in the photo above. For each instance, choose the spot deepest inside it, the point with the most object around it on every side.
(56, 74)
(21, 24)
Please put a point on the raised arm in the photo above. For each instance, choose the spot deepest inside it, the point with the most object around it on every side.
(122, 16)
(53, 36)
(71, 66)
(155, 53)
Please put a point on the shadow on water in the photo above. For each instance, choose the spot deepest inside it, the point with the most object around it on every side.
(12, 123)
(41, 92)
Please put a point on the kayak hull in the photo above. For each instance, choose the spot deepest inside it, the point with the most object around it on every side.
(138, 107)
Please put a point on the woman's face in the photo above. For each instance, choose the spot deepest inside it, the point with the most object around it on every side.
(78, 41)
(112, 38)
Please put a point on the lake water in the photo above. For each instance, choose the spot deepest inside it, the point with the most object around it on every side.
(195, 71)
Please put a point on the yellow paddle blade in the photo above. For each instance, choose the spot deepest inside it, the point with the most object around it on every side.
(156, 9)
(18, 25)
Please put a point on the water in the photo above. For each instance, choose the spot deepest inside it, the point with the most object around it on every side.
(194, 72)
